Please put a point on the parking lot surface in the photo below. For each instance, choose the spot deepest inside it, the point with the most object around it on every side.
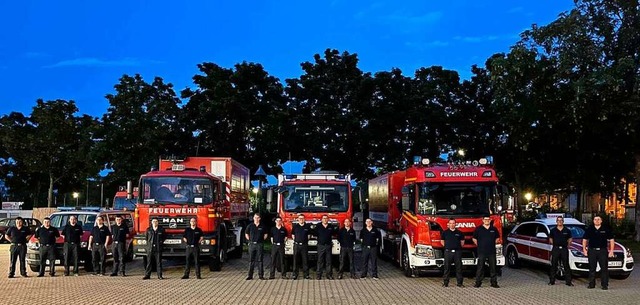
(525, 286)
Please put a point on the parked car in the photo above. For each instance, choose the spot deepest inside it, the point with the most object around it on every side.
(6, 223)
(529, 241)
(87, 219)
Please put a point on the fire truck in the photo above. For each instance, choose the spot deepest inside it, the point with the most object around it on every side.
(314, 195)
(123, 201)
(412, 207)
(214, 190)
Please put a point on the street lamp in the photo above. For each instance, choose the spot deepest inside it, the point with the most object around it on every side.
(75, 196)
(528, 196)
(260, 174)
(461, 152)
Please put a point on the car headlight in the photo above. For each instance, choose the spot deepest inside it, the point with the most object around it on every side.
(33, 246)
(425, 251)
(498, 250)
(84, 244)
(577, 253)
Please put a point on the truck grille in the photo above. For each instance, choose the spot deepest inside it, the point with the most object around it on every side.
(173, 222)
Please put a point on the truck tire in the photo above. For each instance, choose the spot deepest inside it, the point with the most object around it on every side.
(404, 262)
(34, 268)
(215, 264)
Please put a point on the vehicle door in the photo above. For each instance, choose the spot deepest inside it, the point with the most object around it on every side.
(521, 238)
(540, 244)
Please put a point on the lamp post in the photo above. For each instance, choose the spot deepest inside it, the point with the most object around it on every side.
(75, 196)
(260, 174)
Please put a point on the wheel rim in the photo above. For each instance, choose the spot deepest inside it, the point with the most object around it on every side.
(221, 255)
(512, 258)
(560, 269)
(405, 260)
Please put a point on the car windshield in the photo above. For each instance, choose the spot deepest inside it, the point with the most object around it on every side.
(315, 198)
(456, 199)
(577, 231)
(86, 220)
(177, 190)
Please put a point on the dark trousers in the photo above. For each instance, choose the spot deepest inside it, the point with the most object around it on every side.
(70, 251)
(118, 251)
(153, 256)
(99, 255)
(369, 261)
(563, 255)
(277, 259)
(492, 268)
(17, 251)
(192, 253)
(47, 252)
(324, 260)
(598, 257)
(255, 256)
(452, 257)
(300, 254)
(346, 255)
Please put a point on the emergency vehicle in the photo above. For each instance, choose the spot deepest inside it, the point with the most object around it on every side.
(313, 195)
(411, 207)
(529, 241)
(214, 190)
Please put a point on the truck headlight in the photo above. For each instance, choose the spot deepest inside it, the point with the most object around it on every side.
(84, 244)
(33, 246)
(498, 250)
(425, 251)
(141, 242)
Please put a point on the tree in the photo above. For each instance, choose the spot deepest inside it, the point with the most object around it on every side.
(141, 125)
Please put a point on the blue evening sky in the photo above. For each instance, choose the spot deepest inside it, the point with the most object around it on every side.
(78, 49)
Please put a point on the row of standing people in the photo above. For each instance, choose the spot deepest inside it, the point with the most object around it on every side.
(256, 235)
(596, 240)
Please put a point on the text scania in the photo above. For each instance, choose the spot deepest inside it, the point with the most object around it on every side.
(465, 225)
(458, 174)
(174, 210)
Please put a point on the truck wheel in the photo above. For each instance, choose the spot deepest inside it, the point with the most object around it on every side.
(512, 258)
(34, 268)
(215, 264)
(406, 268)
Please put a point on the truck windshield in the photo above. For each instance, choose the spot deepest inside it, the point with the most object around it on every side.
(176, 190)
(120, 203)
(456, 199)
(315, 198)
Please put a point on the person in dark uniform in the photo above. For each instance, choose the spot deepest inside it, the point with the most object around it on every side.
(594, 246)
(71, 233)
(300, 233)
(192, 237)
(120, 231)
(486, 237)
(560, 238)
(347, 239)
(256, 235)
(452, 240)
(47, 235)
(17, 236)
(370, 238)
(324, 232)
(278, 239)
(155, 237)
(98, 241)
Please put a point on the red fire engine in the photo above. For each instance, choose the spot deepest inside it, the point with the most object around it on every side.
(314, 195)
(214, 190)
(412, 206)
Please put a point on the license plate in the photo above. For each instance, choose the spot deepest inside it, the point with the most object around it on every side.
(615, 264)
(172, 241)
(468, 262)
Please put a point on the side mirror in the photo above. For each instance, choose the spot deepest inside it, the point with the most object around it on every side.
(541, 235)
(223, 191)
(269, 197)
(405, 203)
(405, 190)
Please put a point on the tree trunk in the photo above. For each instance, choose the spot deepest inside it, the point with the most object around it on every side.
(50, 192)
(637, 210)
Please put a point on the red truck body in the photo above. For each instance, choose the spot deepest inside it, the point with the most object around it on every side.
(214, 190)
(411, 207)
